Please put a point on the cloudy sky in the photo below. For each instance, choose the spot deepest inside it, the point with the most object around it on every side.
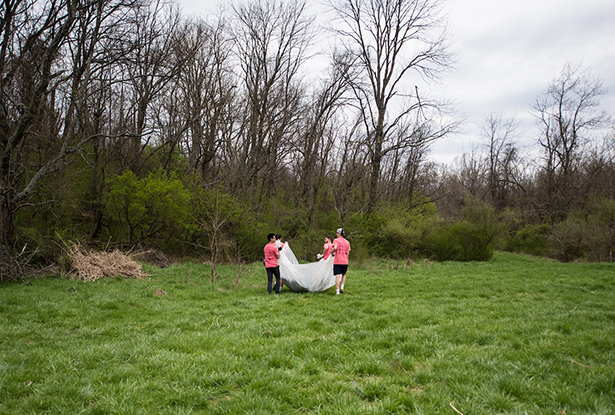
(507, 54)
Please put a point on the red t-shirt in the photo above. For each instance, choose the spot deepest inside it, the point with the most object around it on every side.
(270, 252)
(341, 253)
(327, 247)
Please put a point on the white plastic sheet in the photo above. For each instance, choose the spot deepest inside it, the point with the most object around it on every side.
(313, 276)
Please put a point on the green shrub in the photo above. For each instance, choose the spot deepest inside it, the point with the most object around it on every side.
(470, 239)
(532, 239)
(475, 241)
(441, 244)
(577, 238)
(587, 234)
(398, 231)
(461, 241)
(156, 207)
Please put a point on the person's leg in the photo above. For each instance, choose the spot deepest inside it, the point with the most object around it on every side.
(269, 280)
(338, 273)
(276, 272)
(343, 281)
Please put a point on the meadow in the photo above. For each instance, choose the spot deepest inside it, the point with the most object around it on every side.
(514, 335)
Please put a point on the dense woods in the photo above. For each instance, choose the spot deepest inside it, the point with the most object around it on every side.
(124, 123)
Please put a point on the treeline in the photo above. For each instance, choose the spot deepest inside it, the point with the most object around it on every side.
(124, 123)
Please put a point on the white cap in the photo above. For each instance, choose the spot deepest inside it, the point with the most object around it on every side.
(340, 230)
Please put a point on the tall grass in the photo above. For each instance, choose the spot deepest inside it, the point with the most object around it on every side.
(515, 335)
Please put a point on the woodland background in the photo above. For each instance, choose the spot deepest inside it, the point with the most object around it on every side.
(124, 124)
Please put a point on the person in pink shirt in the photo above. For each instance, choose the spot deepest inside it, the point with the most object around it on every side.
(279, 244)
(271, 264)
(326, 248)
(341, 249)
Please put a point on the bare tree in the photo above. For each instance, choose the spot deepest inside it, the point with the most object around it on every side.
(500, 133)
(207, 92)
(150, 66)
(348, 175)
(271, 40)
(315, 144)
(30, 47)
(569, 113)
(195, 107)
(393, 40)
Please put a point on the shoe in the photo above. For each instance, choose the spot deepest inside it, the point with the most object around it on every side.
(342, 292)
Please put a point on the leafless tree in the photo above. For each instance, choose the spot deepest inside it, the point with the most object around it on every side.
(149, 67)
(315, 144)
(202, 95)
(570, 115)
(394, 40)
(34, 36)
(348, 178)
(500, 133)
(272, 40)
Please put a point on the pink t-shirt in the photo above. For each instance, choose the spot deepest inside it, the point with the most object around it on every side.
(341, 254)
(327, 247)
(270, 252)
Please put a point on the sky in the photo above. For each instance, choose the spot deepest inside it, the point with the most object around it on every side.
(507, 53)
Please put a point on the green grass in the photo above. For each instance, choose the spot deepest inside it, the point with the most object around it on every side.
(514, 335)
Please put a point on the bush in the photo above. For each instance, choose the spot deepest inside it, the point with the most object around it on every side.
(532, 239)
(587, 234)
(441, 244)
(144, 209)
(462, 241)
(398, 231)
(468, 240)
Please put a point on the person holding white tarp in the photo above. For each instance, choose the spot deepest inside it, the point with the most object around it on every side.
(341, 249)
(326, 249)
(271, 264)
(313, 276)
(279, 245)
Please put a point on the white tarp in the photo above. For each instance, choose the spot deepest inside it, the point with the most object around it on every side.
(313, 276)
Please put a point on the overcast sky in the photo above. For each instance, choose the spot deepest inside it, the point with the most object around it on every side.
(507, 54)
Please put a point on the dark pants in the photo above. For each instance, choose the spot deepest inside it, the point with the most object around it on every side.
(270, 273)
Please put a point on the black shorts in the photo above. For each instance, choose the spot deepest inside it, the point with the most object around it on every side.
(340, 269)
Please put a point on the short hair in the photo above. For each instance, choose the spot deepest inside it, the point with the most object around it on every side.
(278, 236)
(269, 236)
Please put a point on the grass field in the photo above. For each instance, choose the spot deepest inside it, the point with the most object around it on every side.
(514, 335)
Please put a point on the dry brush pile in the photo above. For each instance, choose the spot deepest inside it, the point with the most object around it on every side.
(90, 266)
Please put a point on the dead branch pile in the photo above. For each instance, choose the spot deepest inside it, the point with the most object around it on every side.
(10, 268)
(15, 266)
(90, 266)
